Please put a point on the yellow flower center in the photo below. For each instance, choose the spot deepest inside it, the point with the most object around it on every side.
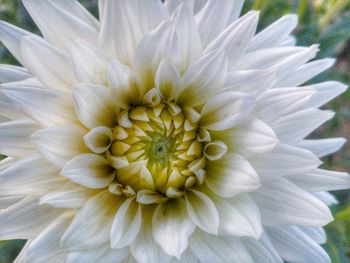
(157, 150)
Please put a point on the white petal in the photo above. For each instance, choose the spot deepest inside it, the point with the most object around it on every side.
(77, 9)
(274, 34)
(202, 211)
(254, 82)
(63, 25)
(126, 224)
(15, 137)
(294, 127)
(325, 92)
(148, 56)
(49, 107)
(323, 147)
(8, 200)
(50, 65)
(239, 216)
(171, 227)
(90, 65)
(318, 234)
(59, 144)
(90, 170)
(26, 219)
(322, 180)
(122, 84)
(11, 36)
(235, 38)
(29, 176)
(326, 197)
(45, 246)
(276, 103)
(283, 203)
(123, 23)
(284, 160)
(8, 109)
(212, 19)
(284, 59)
(295, 246)
(94, 105)
(203, 79)
(188, 35)
(103, 254)
(167, 80)
(144, 249)
(262, 250)
(231, 175)
(248, 138)
(9, 73)
(186, 257)
(306, 72)
(70, 195)
(211, 248)
(92, 224)
(226, 110)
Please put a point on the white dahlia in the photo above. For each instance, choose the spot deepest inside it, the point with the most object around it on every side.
(163, 133)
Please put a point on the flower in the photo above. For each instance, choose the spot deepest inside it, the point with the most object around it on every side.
(163, 133)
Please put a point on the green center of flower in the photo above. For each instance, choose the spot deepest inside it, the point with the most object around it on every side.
(155, 149)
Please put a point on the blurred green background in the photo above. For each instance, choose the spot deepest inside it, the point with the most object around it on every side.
(326, 22)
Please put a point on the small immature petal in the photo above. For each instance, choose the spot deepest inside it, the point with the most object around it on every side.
(99, 139)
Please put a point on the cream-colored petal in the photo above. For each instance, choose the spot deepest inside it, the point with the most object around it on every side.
(59, 144)
(99, 139)
(94, 105)
(90, 170)
(239, 216)
(167, 80)
(70, 195)
(231, 175)
(122, 85)
(127, 224)
(202, 211)
(171, 227)
(226, 110)
(203, 79)
(92, 224)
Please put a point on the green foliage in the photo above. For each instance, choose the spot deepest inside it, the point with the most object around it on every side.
(326, 22)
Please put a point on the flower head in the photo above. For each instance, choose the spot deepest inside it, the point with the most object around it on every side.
(163, 133)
